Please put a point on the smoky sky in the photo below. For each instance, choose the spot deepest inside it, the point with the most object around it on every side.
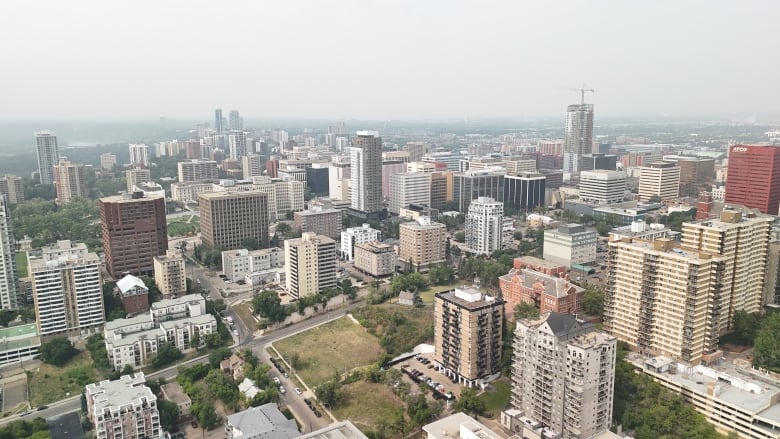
(386, 59)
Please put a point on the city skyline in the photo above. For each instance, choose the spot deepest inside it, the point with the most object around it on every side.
(463, 60)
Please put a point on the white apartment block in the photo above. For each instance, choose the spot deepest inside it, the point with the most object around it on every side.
(309, 264)
(123, 409)
(169, 273)
(570, 244)
(484, 224)
(602, 187)
(339, 178)
(9, 288)
(198, 170)
(251, 166)
(139, 155)
(563, 375)
(284, 195)
(237, 264)
(67, 289)
(133, 341)
(357, 235)
(409, 188)
(660, 179)
(189, 192)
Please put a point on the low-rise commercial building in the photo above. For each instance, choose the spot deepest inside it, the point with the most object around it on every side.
(570, 244)
(237, 264)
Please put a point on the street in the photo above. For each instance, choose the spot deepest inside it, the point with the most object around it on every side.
(258, 346)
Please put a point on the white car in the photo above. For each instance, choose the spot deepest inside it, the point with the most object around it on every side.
(235, 332)
(282, 390)
(298, 391)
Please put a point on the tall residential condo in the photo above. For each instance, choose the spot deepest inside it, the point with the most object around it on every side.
(484, 223)
(230, 219)
(366, 172)
(218, 128)
(134, 231)
(48, 155)
(70, 181)
(139, 155)
(578, 137)
(423, 242)
(13, 188)
(9, 288)
(67, 289)
(563, 375)
(467, 335)
(309, 264)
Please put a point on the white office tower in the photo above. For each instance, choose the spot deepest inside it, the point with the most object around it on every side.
(484, 222)
(339, 177)
(563, 375)
(9, 285)
(409, 188)
(251, 166)
(660, 180)
(237, 144)
(139, 155)
(602, 187)
(67, 289)
(578, 139)
(357, 235)
(366, 172)
(48, 155)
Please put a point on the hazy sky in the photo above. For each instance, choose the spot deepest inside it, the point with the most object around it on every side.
(386, 59)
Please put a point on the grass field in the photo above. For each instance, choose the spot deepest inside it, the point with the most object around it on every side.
(21, 264)
(50, 383)
(366, 404)
(427, 296)
(180, 227)
(244, 312)
(497, 400)
(330, 348)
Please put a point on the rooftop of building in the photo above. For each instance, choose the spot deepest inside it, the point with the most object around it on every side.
(726, 382)
(130, 197)
(734, 216)
(173, 392)
(552, 285)
(668, 247)
(337, 430)
(194, 320)
(130, 282)
(469, 298)
(359, 229)
(17, 337)
(317, 210)
(230, 194)
(451, 427)
(375, 247)
(537, 262)
(560, 324)
(112, 395)
(116, 324)
(187, 298)
(265, 421)
(310, 237)
(38, 263)
(421, 223)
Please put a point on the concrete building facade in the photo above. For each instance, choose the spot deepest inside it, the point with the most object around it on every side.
(660, 179)
(357, 235)
(12, 187)
(309, 264)
(484, 223)
(169, 273)
(123, 409)
(578, 136)
(48, 155)
(229, 219)
(319, 221)
(9, 282)
(563, 374)
(70, 180)
(468, 331)
(570, 244)
(366, 172)
(198, 171)
(409, 188)
(423, 242)
(375, 258)
(602, 187)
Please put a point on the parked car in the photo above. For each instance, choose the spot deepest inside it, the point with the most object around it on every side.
(298, 391)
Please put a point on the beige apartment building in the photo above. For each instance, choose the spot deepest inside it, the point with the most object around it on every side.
(70, 180)
(13, 188)
(169, 274)
(467, 332)
(229, 219)
(423, 242)
(660, 179)
(741, 237)
(136, 176)
(663, 299)
(309, 264)
(375, 258)
(319, 221)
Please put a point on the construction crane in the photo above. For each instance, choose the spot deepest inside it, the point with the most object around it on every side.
(583, 90)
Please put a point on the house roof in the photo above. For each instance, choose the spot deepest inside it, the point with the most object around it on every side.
(129, 282)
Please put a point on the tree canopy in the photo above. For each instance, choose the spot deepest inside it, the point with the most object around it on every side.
(58, 351)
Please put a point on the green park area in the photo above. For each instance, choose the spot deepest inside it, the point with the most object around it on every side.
(183, 225)
(496, 397)
(327, 350)
(367, 404)
(51, 383)
(21, 264)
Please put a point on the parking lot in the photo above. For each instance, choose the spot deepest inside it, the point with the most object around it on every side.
(421, 371)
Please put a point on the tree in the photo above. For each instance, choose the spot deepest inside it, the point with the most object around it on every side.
(440, 274)
(603, 228)
(330, 392)
(58, 351)
(459, 236)
(746, 326)
(419, 411)
(250, 244)
(655, 199)
(216, 357)
(97, 350)
(169, 413)
(283, 229)
(7, 316)
(222, 386)
(766, 348)
(166, 355)
(524, 310)
(593, 301)
(204, 413)
(268, 305)
(348, 290)
(469, 402)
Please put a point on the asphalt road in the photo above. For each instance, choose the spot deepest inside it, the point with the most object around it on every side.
(258, 346)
